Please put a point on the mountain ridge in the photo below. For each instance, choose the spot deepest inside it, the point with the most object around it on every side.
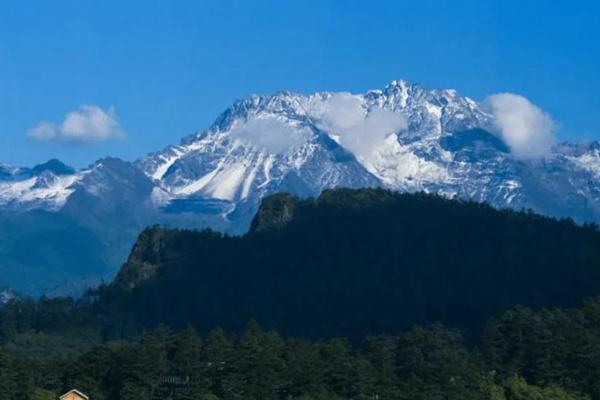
(351, 262)
(403, 137)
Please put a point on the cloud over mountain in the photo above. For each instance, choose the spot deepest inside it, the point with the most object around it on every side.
(359, 130)
(270, 133)
(524, 127)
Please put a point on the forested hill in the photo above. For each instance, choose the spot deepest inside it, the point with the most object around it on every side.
(353, 262)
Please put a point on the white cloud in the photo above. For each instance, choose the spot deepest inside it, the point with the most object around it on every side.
(89, 123)
(356, 128)
(271, 133)
(44, 130)
(526, 129)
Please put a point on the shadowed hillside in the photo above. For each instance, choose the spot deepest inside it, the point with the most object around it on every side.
(356, 261)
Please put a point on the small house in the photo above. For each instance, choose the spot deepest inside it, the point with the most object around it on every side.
(74, 395)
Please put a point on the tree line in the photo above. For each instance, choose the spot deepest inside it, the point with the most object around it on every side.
(552, 354)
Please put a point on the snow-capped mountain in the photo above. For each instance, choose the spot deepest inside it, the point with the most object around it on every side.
(305, 144)
(44, 186)
(403, 137)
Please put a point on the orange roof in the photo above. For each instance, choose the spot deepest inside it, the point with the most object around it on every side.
(75, 391)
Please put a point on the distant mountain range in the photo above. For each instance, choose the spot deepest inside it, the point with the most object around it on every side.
(62, 230)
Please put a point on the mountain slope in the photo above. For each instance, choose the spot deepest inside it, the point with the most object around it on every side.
(353, 262)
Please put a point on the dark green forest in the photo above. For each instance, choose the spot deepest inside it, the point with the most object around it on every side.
(363, 294)
(352, 263)
(522, 355)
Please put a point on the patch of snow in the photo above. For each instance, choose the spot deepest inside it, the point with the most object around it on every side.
(221, 183)
(267, 166)
(196, 186)
(589, 162)
(398, 167)
(250, 178)
(52, 193)
(168, 162)
(225, 184)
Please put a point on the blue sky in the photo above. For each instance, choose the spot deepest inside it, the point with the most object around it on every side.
(167, 68)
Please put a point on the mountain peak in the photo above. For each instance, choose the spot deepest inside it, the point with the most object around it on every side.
(55, 166)
(111, 162)
(399, 83)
